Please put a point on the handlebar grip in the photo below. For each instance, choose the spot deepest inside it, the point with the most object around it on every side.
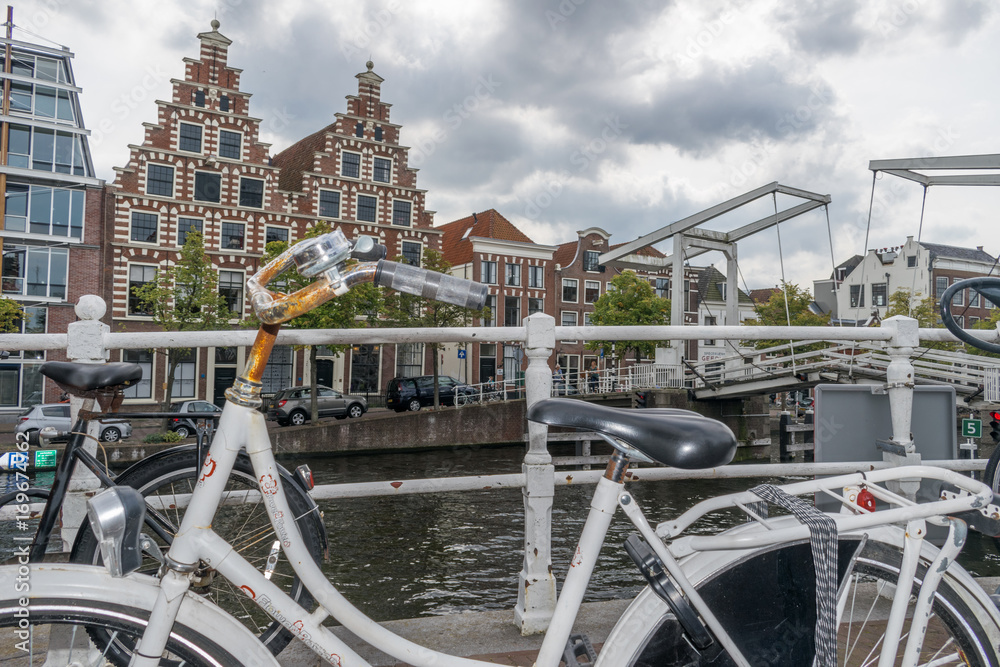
(431, 285)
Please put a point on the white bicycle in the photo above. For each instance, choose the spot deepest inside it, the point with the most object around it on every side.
(855, 587)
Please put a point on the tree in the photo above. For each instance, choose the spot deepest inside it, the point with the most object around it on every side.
(11, 315)
(357, 308)
(772, 313)
(408, 310)
(629, 301)
(923, 310)
(185, 297)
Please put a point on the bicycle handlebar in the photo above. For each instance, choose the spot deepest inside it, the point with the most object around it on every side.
(325, 258)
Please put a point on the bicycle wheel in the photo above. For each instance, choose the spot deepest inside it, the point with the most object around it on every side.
(767, 601)
(82, 617)
(11, 530)
(242, 520)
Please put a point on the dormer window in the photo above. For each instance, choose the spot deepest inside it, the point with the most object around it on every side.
(722, 290)
(590, 260)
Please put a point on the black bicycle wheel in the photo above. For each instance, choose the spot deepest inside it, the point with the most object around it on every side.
(16, 528)
(91, 633)
(768, 603)
(168, 480)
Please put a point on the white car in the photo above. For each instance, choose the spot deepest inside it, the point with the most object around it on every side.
(57, 415)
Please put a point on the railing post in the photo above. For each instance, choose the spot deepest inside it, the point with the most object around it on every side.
(536, 588)
(85, 344)
(899, 386)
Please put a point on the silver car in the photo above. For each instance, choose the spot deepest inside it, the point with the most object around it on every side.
(57, 416)
(293, 405)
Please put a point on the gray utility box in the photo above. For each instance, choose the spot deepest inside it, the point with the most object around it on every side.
(850, 418)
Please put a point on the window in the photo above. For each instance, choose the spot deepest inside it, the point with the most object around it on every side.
(189, 138)
(973, 321)
(275, 235)
(536, 277)
(911, 261)
(880, 294)
(491, 306)
(411, 253)
(383, 168)
(569, 288)
(207, 186)
(187, 225)
(857, 296)
(231, 289)
(184, 374)
(251, 192)
(535, 305)
(588, 319)
(232, 236)
(960, 321)
(722, 290)
(590, 260)
(230, 144)
(199, 98)
(940, 285)
(710, 321)
(409, 359)
(144, 387)
(973, 299)
(591, 291)
(160, 180)
(38, 67)
(278, 371)
(41, 101)
(958, 298)
(569, 318)
(329, 204)
(43, 210)
(365, 364)
(350, 165)
(139, 275)
(662, 288)
(224, 103)
(401, 212)
(45, 150)
(488, 273)
(359, 130)
(366, 208)
(144, 227)
(512, 311)
(34, 271)
(512, 275)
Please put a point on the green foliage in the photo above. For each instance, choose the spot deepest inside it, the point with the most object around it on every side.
(923, 310)
(11, 315)
(185, 297)
(772, 313)
(167, 436)
(408, 310)
(629, 301)
(991, 324)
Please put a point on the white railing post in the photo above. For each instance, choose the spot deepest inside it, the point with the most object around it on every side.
(899, 385)
(84, 344)
(536, 587)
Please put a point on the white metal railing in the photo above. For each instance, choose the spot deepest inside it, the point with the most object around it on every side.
(88, 340)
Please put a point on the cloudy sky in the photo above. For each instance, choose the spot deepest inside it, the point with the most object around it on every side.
(569, 114)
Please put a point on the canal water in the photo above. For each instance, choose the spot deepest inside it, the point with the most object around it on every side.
(420, 555)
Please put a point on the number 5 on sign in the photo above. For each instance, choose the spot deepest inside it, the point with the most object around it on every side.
(972, 428)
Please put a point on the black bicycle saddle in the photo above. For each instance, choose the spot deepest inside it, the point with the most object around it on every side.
(88, 377)
(677, 438)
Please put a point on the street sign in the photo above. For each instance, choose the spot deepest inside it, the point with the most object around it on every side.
(972, 428)
(461, 353)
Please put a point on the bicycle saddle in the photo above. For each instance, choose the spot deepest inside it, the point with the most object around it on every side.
(76, 378)
(673, 437)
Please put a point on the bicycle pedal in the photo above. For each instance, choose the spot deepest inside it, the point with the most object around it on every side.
(577, 647)
(652, 570)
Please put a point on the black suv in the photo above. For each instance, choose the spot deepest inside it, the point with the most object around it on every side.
(416, 392)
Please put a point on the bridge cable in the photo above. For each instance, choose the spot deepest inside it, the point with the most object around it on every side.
(784, 285)
(920, 233)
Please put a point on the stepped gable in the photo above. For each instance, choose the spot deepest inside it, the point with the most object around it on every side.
(457, 243)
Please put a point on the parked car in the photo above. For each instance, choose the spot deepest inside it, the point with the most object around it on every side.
(185, 426)
(293, 405)
(413, 393)
(57, 415)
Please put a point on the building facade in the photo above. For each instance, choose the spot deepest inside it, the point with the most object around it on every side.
(51, 209)
(202, 167)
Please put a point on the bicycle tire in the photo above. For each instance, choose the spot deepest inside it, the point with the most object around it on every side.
(767, 601)
(100, 615)
(246, 527)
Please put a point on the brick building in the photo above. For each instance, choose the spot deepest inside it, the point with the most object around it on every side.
(202, 167)
(51, 209)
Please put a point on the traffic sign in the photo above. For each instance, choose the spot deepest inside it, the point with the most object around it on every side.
(461, 353)
(972, 428)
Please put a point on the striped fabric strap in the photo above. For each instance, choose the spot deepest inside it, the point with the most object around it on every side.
(823, 541)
